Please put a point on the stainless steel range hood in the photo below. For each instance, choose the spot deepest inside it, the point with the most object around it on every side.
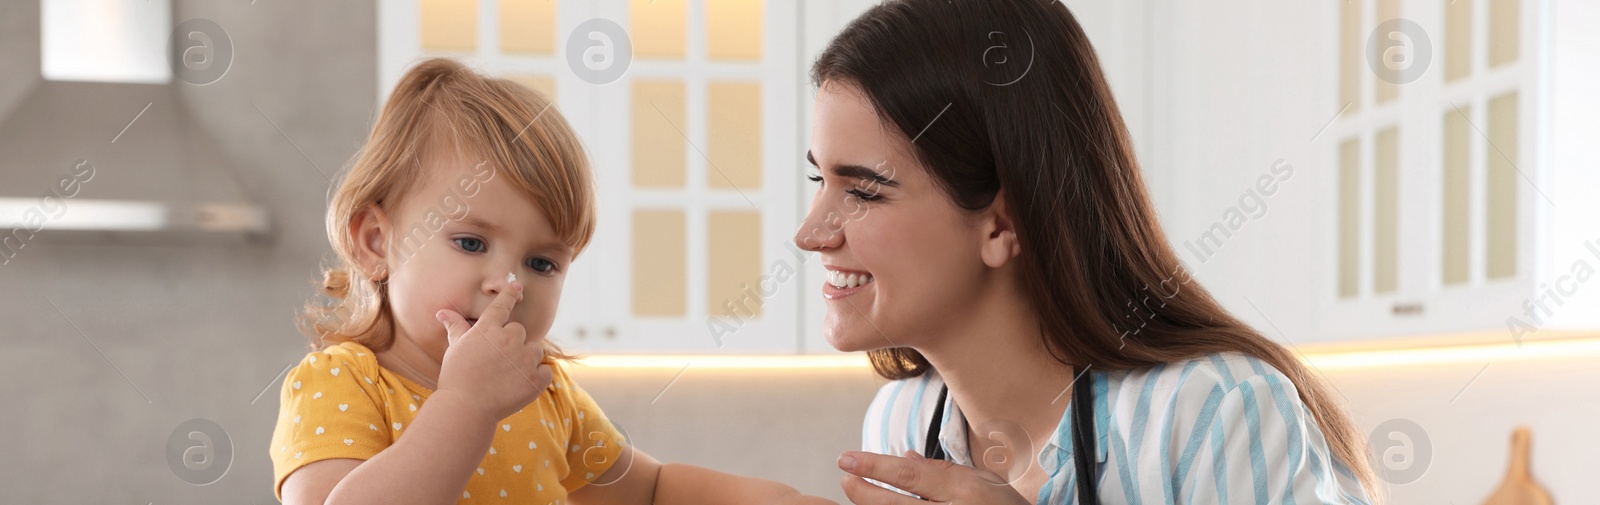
(110, 161)
(117, 161)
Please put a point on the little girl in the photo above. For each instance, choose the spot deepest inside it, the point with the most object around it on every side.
(430, 379)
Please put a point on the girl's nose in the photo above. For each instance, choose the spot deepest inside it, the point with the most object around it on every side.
(493, 283)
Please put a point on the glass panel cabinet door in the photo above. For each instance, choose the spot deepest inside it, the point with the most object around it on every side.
(1434, 184)
(707, 145)
(695, 151)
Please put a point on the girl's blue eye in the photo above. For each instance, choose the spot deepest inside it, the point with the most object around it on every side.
(470, 244)
(541, 265)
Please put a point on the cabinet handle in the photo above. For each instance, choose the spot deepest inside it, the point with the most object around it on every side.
(583, 333)
(1407, 309)
(611, 332)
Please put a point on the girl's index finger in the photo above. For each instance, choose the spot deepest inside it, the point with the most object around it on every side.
(499, 310)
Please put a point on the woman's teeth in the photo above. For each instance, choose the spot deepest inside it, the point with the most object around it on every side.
(846, 281)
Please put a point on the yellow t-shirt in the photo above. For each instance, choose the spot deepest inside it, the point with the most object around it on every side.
(339, 403)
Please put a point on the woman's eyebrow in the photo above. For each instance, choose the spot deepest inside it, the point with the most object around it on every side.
(857, 172)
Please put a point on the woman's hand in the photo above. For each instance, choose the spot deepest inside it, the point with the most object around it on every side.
(936, 481)
(493, 363)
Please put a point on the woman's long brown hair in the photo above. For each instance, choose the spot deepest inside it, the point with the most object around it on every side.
(1008, 95)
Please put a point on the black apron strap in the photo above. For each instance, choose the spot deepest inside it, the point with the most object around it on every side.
(931, 448)
(1083, 441)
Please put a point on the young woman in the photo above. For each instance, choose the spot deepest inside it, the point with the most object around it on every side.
(990, 243)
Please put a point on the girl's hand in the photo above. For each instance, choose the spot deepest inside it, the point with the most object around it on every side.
(493, 364)
(935, 481)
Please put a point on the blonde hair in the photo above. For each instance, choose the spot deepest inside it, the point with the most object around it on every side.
(441, 108)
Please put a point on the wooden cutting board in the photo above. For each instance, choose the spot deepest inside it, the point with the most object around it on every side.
(1519, 487)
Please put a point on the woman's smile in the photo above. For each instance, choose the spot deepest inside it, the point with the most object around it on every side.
(841, 283)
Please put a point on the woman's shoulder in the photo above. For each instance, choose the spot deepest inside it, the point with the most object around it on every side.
(1222, 368)
(1198, 378)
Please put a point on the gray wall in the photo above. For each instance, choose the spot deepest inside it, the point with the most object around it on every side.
(185, 331)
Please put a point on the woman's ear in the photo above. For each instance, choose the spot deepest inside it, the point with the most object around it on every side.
(1000, 244)
(369, 229)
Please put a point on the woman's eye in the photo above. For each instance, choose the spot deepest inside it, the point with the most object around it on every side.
(470, 244)
(541, 265)
(814, 178)
(864, 195)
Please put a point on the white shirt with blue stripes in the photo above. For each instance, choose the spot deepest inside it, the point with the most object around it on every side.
(1224, 428)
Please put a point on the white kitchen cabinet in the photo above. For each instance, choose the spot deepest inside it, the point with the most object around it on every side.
(1440, 207)
(695, 152)
(1458, 201)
